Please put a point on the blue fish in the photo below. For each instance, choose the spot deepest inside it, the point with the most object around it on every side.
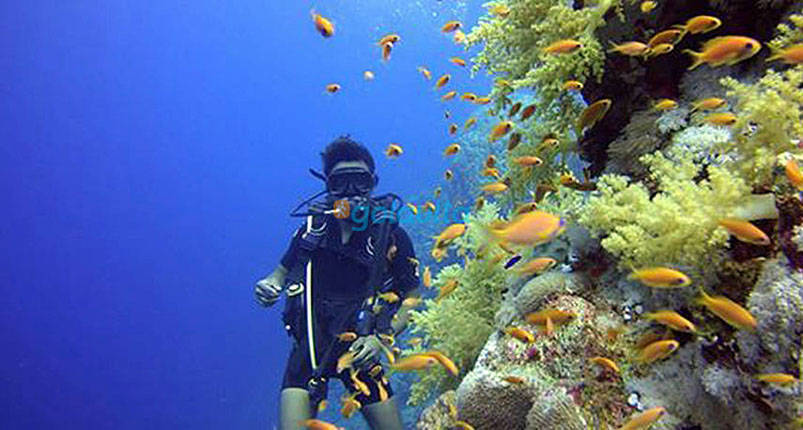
(515, 259)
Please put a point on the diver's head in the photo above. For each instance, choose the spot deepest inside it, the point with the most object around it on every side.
(349, 169)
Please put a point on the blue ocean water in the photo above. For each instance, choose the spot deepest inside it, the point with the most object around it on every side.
(150, 152)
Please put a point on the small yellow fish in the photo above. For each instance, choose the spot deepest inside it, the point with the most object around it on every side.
(709, 103)
(592, 114)
(468, 97)
(671, 36)
(672, 319)
(547, 144)
(448, 174)
(657, 351)
(315, 424)
(730, 312)
(532, 228)
(721, 118)
(644, 420)
(447, 288)
(469, 122)
(520, 334)
(526, 207)
(777, 378)
(727, 50)
(565, 46)
(648, 6)
(665, 105)
(494, 187)
(573, 85)
(444, 361)
(322, 25)
(513, 379)
(527, 160)
(451, 149)
(458, 61)
(451, 26)
(387, 47)
(500, 130)
(449, 234)
(606, 363)
(345, 360)
(425, 72)
(794, 174)
(448, 96)
(700, 24)
(393, 150)
(392, 38)
(443, 80)
(350, 405)
(332, 88)
(413, 208)
(389, 297)
(411, 302)
(659, 49)
(557, 316)
(790, 55)
(426, 277)
(660, 277)
(536, 266)
(347, 336)
(429, 206)
(414, 362)
(745, 231)
(482, 100)
(383, 393)
(368, 75)
(491, 172)
(463, 425)
(631, 49)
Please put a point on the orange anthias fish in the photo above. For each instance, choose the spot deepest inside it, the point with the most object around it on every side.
(671, 36)
(469, 122)
(721, 118)
(700, 24)
(557, 316)
(393, 150)
(426, 277)
(527, 161)
(632, 49)
(458, 61)
(672, 319)
(644, 420)
(745, 231)
(494, 188)
(657, 351)
(414, 362)
(448, 96)
(709, 103)
(451, 149)
(794, 174)
(449, 234)
(532, 228)
(451, 26)
(777, 378)
(659, 49)
(482, 100)
(322, 25)
(452, 129)
(332, 88)
(315, 424)
(727, 50)
(592, 114)
(566, 46)
(468, 97)
(573, 85)
(729, 311)
(520, 334)
(443, 80)
(386, 48)
(790, 55)
(665, 105)
(660, 277)
(445, 361)
(424, 71)
(447, 288)
(536, 266)
(392, 38)
(500, 130)
(605, 363)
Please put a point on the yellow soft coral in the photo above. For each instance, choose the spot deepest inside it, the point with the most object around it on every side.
(678, 225)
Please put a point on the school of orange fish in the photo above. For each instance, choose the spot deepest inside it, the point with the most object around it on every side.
(530, 227)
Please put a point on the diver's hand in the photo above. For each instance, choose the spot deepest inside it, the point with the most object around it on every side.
(367, 349)
(268, 291)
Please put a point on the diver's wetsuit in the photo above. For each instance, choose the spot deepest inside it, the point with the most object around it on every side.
(339, 289)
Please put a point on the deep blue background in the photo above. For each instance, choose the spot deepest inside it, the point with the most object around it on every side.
(149, 154)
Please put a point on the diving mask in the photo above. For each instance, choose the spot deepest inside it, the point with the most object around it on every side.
(350, 181)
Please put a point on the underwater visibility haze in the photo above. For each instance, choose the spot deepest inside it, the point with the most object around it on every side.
(602, 197)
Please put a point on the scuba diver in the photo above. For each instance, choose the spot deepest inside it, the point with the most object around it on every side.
(346, 274)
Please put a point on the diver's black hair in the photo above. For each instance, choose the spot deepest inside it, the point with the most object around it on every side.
(345, 149)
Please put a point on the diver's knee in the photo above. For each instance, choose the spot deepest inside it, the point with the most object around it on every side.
(294, 407)
(383, 415)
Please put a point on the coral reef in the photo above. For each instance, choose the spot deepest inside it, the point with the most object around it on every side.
(557, 411)
(438, 415)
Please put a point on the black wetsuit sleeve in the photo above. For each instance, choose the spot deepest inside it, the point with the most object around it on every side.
(291, 255)
(404, 267)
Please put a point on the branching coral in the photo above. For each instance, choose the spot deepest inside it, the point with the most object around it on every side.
(676, 226)
(788, 35)
(772, 107)
(459, 324)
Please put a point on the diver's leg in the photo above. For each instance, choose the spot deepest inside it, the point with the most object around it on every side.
(383, 415)
(294, 407)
